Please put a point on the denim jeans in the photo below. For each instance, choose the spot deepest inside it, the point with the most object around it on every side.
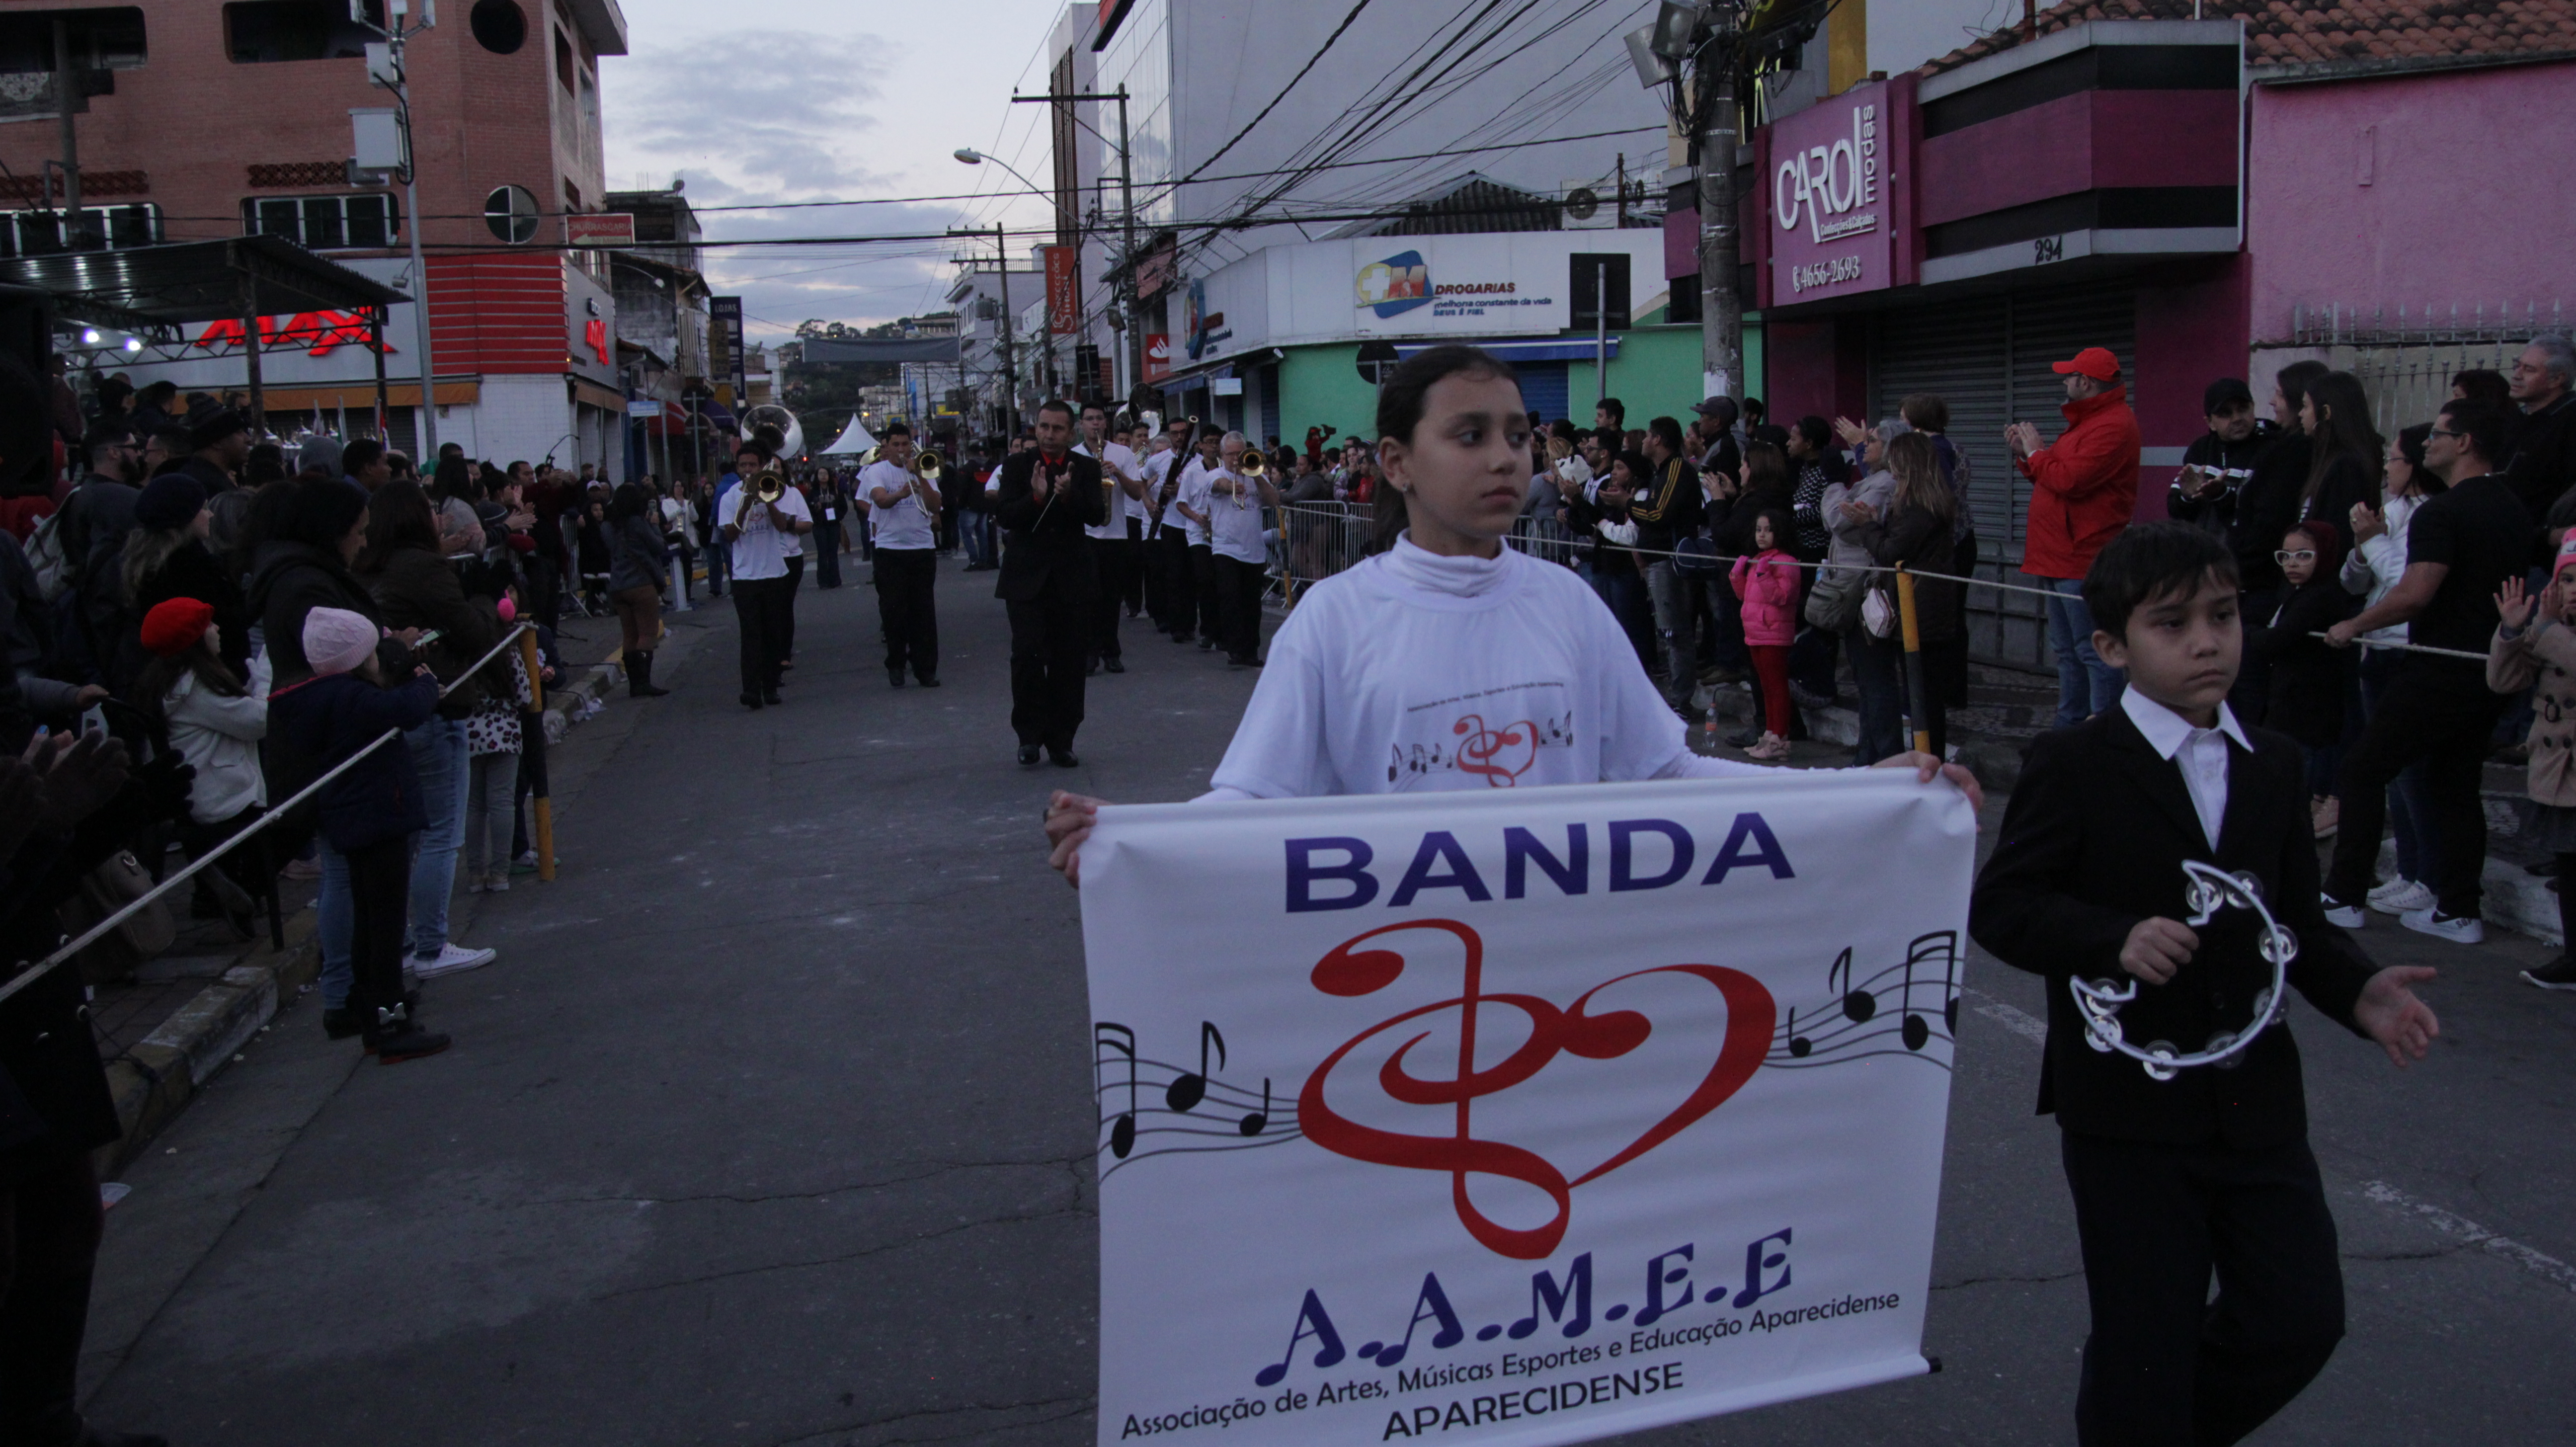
(2410, 818)
(438, 753)
(1876, 673)
(1676, 627)
(1726, 626)
(1623, 590)
(2085, 684)
(336, 915)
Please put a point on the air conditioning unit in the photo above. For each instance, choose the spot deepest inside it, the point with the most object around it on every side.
(1590, 204)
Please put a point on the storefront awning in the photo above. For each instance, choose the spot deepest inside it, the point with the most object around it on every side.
(1538, 350)
(195, 281)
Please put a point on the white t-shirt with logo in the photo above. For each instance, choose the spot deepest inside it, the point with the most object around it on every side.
(903, 527)
(1411, 672)
(1194, 491)
(1116, 460)
(761, 551)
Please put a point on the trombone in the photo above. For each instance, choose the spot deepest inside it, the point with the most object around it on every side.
(927, 466)
(1251, 465)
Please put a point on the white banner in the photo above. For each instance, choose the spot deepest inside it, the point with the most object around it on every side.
(1518, 1116)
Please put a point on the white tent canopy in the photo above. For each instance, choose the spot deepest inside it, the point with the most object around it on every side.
(854, 439)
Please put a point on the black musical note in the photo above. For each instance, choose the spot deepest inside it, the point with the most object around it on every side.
(1122, 1136)
(1858, 1005)
(1259, 1120)
(1187, 1091)
(1917, 1031)
(1799, 1045)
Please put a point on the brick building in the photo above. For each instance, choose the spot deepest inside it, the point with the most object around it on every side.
(230, 116)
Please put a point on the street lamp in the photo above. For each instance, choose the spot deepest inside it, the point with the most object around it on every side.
(968, 155)
(385, 69)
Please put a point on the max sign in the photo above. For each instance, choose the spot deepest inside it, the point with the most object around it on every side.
(1828, 196)
(1517, 1116)
(325, 332)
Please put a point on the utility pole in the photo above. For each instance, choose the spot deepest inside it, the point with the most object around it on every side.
(393, 75)
(1010, 373)
(1133, 347)
(66, 98)
(1709, 39)
(1721, 308)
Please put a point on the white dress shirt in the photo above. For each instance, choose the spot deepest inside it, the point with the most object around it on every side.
(2200, 753)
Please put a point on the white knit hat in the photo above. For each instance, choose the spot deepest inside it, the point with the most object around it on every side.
(337, 640)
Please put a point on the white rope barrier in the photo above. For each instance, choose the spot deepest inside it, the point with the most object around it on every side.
(276, 813)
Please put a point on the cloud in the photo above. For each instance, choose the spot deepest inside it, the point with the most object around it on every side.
(753, 115)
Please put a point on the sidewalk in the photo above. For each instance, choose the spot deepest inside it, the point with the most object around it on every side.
(187, 1014)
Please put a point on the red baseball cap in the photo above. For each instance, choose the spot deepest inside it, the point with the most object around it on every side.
(2094, 362)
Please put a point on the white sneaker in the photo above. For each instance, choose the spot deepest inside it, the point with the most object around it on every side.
(2402, 896)
(2341, 915)
(451, 960)
(2458, 929)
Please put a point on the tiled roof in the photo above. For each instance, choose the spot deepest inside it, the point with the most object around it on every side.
(2291, 36)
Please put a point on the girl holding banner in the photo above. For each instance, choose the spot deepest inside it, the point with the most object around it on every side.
(1450, 662)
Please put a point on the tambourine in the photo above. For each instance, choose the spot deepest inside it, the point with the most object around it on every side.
(2211, 889)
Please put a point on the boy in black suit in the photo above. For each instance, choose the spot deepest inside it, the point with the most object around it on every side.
(2209, 1171)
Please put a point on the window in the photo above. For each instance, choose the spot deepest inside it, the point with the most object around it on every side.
(499, 26)
(564, 65)
(259, 31)
(325, 223)
(40, 233)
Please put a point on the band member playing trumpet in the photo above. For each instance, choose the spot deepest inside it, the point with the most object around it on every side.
(759, 518)
(1191, 502)
(903, 493)
(1123, 481)
(1239, 550)
(1046, 498)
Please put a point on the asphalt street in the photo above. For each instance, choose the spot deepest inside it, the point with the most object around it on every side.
(772, 1125)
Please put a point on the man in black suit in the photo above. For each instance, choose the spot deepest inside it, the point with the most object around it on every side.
(2208, 1172)
(1048, 494)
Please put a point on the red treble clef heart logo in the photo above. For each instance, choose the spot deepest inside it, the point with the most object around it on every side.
(1499, 756)
(1352, 971)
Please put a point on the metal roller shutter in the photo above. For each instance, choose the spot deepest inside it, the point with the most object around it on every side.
(1989, 358)
(1543, 388)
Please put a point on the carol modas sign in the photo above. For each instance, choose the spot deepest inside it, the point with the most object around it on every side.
(1518, 1116)
(1830, 217)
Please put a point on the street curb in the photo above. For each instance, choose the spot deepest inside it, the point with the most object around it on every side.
(153, 1081)
(2508, 896)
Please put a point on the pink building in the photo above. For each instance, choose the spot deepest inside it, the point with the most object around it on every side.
(2208, 197)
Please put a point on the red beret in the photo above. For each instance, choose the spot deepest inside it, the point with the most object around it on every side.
(174, 626)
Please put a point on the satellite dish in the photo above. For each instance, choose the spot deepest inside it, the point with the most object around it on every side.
(511, 213)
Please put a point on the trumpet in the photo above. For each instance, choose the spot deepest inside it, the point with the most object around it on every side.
(768, 485)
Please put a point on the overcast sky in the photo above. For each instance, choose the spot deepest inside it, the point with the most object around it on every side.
(758, 102)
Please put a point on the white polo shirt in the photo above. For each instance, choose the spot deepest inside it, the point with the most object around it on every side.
(902, 527)
(1157, 466)
(1238, 529)
(1116, 461)
(1194, 491)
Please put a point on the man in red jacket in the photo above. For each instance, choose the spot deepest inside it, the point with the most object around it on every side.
(2083, 490)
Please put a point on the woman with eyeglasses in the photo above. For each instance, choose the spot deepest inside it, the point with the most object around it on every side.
(2308, 679)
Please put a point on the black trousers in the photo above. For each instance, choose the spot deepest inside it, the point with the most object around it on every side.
(787, 606)
(1203, 583)
(1110, 556)
(757, 606)
(827, 554)
(1180, 585)
(2441, 713)
(49, 1231)
(380, 899)
(2165, 1364)
(1135, 574)
(907, 606)
(1049, 638)
(1238, 605)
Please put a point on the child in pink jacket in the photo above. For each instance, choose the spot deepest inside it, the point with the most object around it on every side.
(1768, 585)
